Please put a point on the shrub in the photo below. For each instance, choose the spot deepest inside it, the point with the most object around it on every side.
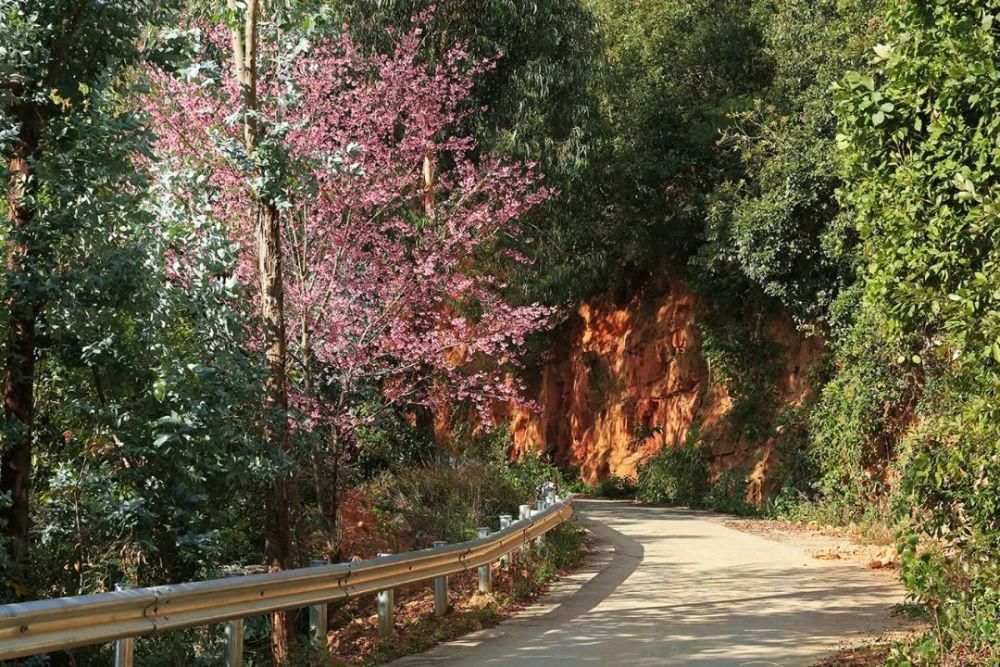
(948, 509)
(493, 448)
(564, 546)
(440, 502)
(729, 493)
(613, 488)
(388, 442)
(675, 476)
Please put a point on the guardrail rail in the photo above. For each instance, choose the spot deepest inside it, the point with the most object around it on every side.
(32, 628)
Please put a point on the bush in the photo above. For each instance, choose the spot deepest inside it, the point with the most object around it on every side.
(494, 449)
(675, 476)
(729, 493)
(862, 412)
(388, 442)
(948, 510)
(420, 505)
(613, 488)
(564, 546)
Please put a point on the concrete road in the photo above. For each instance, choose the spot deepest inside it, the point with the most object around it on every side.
(677, 587)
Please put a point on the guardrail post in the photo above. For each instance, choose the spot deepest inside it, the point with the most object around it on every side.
(318, 619)
(385, 609)
(440, 589)
(505, 521)
(124, 648)
(524, 512)
(539, 541)
(234, 634)
(485, 571)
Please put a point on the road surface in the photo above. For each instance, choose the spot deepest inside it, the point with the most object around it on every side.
(676, 587)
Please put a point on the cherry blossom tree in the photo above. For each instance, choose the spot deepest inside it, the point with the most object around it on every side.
(391, 221)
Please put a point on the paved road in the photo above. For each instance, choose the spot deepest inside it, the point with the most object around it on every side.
(679, 588)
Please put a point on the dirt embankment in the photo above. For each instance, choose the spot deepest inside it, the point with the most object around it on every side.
(624, 380)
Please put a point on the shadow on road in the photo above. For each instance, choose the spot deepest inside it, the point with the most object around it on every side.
(682, 590)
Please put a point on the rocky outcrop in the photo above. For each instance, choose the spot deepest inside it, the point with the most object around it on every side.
(623, 380)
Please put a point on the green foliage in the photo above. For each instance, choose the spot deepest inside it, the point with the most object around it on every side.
(142, 446)
(612, 487)
(447, 503)
(948, 510)
(688, 65)
(728, 493)
(920, 143)
(388, 442)
(861, 413)
(148, 465)
(676, 476)
(743, 359)
(919, 134)
(778, 222)
(681, 476)
(493, 448)
(564, 546)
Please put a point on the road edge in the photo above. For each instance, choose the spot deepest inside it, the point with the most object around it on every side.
(560, 589)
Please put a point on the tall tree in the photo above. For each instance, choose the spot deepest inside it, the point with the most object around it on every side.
(689, 64)
(267, 235)
(919, 135)
(778, 221)
(386, 209)
(61, 55)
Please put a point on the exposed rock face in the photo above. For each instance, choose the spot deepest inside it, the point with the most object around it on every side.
(625, 380)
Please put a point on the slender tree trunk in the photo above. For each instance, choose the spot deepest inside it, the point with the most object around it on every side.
(19, 360)
(428, 196)
(277, 530)
(334, 544)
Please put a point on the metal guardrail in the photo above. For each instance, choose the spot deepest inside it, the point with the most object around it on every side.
(42, 626)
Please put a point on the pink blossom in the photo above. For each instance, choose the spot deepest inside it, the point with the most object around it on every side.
(389, 212)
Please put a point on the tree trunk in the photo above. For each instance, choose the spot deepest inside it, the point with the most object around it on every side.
(19, 360)
(428, 196)
(277, 531)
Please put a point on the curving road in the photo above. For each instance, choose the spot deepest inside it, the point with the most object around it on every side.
(676, 587)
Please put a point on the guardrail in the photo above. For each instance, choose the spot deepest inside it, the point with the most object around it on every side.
(42, 626)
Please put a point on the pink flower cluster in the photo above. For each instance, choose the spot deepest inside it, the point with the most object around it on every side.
(392, 219)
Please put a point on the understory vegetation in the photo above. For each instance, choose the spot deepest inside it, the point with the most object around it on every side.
(402, 508)
(272, 270)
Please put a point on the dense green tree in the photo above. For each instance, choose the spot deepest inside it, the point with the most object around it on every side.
(779, 221)
(920, 136)
(148, 458)
(141, 423)
(679, 69)
(63, 178)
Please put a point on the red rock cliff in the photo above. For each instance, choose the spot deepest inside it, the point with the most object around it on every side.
(624, 380)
